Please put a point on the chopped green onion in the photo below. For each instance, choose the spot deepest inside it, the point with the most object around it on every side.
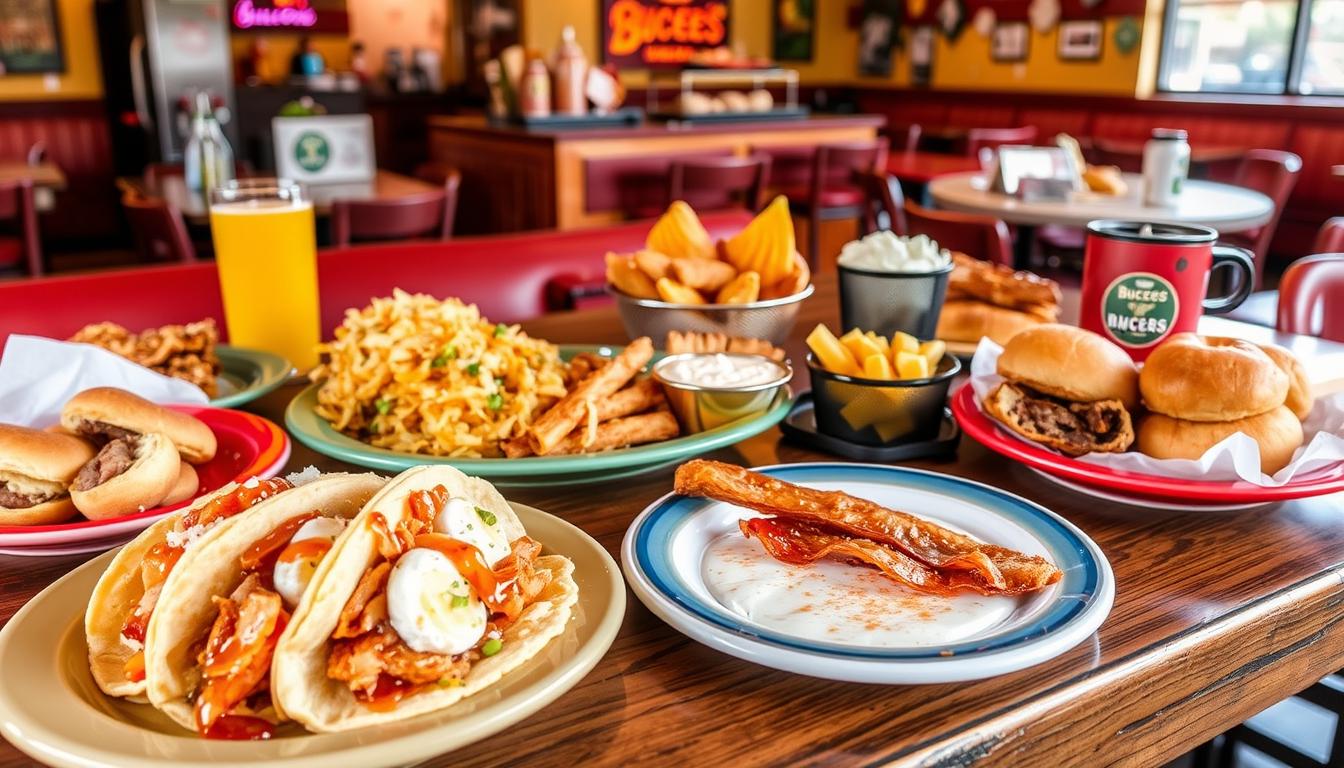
(492, 646)
(500, 329)
(383, 405)
(473, 369)
(486, 515)
(450, 353)
(461, 601)
(495, 401)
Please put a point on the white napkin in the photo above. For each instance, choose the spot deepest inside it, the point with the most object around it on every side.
(38, 376)
(1233, 458)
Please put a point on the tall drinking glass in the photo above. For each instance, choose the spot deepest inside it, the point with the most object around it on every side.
(266, 252)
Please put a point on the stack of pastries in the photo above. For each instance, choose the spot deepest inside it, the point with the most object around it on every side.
(987, 299)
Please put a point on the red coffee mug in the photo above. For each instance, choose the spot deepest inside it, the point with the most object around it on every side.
(1143, 282)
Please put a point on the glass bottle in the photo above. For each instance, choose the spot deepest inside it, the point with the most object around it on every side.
(208, 160)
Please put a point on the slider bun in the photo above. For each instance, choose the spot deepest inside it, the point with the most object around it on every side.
(1299, 387)
(120, 408)
(970, 321)
(188, 483)
(49, 456)
(142, 486)
(57, 510)
(1211, 378)
(1070, 363)
(1277, 432)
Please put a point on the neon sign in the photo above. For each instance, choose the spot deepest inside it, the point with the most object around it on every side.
(661, 33)
(248, 14)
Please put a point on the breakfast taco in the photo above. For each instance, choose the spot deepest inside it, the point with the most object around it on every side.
(434, 593)
(123, 602)
(209, 644)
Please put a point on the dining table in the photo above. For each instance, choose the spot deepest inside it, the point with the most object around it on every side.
(385, 185)
(1216, 617)
(47, 178)
(922, 167)
(1224, 207)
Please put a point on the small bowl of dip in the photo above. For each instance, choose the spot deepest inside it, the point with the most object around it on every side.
(890, 283)
(707, 390)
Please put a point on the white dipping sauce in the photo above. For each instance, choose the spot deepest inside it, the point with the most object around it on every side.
(838, 603)
(721, 371)
(884, 252)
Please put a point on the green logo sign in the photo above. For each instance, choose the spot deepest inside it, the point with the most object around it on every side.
(1139, 309)
(312, 151)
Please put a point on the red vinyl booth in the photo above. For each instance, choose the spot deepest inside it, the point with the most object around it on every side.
(505, 276)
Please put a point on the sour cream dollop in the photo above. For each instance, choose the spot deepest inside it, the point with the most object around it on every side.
(721, 371)
(291, 577)
(886, 252)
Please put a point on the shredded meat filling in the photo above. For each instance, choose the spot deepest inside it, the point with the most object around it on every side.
(98, 431)
(1080, 424)
(10, 499)
(113, 459)
(360, 661)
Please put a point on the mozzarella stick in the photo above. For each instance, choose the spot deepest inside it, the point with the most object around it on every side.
(703, 274)
(619, 433)
(565, 415)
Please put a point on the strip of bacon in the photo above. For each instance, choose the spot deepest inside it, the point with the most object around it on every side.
(997, 569)
(802, 543)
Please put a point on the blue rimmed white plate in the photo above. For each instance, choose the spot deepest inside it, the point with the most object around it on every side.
(687, 561)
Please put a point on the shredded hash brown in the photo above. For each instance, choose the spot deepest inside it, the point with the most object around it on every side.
(415, 374)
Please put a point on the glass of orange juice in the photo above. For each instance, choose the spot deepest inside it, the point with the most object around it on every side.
(266, 253)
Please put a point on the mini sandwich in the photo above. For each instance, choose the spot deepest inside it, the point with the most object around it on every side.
(36, 470)
(124, 600)
(434, 593)
(209, 644)
(1067, 389)
(144, 448)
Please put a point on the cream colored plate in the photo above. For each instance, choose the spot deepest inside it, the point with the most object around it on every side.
(51, 709)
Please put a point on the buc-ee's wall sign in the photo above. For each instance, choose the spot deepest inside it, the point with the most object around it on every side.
(661, 33)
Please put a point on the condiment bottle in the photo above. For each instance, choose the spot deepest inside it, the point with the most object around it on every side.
(1166, 161)
(571, 73)
(536, 88)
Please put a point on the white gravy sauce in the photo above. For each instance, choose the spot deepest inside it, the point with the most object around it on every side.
(720, 370)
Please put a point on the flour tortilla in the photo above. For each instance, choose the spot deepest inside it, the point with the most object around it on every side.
(300, 687)
(185, 611)
(116, 595)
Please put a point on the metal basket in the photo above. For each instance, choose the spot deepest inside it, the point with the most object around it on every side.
(771, 320)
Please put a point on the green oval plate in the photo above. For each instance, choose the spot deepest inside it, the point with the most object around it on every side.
(247, 374)
(316, 433)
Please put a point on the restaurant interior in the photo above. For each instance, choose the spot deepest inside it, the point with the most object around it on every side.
(760, 382)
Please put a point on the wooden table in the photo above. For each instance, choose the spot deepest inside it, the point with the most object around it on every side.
(1216, 617)
(47, 178)
(923, 167)
(386, 185)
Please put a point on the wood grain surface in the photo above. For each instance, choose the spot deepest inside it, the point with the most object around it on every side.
(1216, 617)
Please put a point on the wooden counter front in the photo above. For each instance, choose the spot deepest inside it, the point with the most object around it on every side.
(515, 179)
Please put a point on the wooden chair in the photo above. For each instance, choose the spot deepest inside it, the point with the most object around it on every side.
(716, 183)
(903, 139)
(830, 193)
(885, 205)
(1330, 237)
(23, 249)
(158, 229)
(450, 179)
(1274, 173)
(1303, 291)
(993, 138)
(418, 216)
(983, 237)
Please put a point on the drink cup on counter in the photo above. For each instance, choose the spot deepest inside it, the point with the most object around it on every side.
(890, 283)
(266, 253)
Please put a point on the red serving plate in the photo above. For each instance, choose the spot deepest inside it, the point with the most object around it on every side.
(248, 445)
(988, 433)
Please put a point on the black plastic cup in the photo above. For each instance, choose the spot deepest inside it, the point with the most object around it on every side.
(877, 412)
(887, 302)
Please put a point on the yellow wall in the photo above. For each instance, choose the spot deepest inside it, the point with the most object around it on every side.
(81, 79)
(965, 65)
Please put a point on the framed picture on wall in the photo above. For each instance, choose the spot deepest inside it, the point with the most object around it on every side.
(30, 37)
(921, 55)
(1080, 40)
(1011, 41)
(879, 31)
(795, 28)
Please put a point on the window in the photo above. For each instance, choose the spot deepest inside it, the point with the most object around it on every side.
(1258, 46)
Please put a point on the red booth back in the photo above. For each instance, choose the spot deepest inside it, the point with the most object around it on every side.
(505, 276)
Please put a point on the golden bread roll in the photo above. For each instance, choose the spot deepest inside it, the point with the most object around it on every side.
(36, 469)
(1070, 363)
(149, 474)
(1299, 399)
(188, 483)
(93, 410)
(1211, 378)
(1277, 432)
(970, 321)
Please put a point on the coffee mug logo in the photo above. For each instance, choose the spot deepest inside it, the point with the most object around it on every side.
(312, 151)
(1139, 309)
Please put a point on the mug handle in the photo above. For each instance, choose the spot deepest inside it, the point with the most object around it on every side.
(1242, 262)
